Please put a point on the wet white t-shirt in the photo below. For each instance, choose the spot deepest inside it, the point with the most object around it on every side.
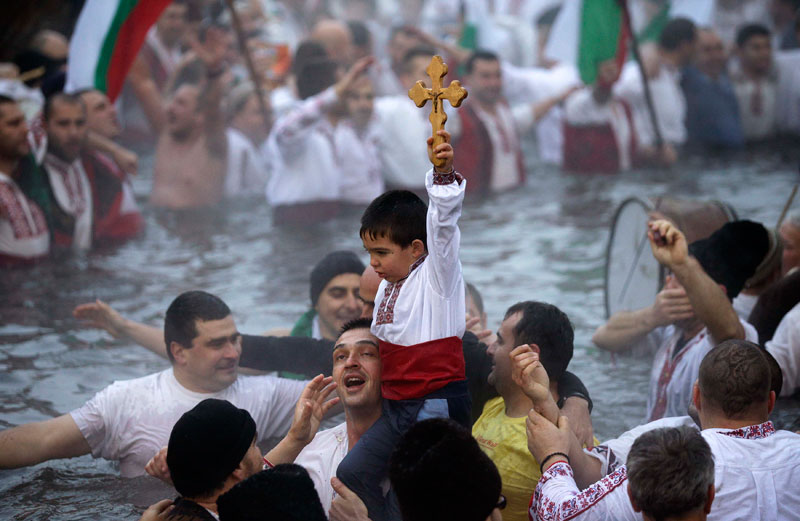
(131, 420)
(321, 458)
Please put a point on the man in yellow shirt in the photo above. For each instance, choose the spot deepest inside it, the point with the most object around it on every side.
(500, 430)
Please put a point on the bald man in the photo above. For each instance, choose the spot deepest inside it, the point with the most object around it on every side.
(336, 38)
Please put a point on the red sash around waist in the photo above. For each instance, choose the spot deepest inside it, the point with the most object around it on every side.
(414, 371)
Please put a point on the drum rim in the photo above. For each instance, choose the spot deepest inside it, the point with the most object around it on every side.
(649, 206)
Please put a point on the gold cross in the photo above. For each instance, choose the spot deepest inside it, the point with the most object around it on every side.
(454, 93)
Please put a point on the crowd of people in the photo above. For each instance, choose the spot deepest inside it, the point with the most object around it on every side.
(391, 397)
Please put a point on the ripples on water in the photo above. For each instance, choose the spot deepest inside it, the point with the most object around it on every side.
(546, 241)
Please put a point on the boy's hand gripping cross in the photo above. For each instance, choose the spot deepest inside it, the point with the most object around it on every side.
(454, 93)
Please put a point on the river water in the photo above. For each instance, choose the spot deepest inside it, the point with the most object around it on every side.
(545, 241)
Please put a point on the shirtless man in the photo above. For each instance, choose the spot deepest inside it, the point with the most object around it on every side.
(191, 154)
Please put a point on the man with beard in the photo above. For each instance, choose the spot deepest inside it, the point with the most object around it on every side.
(24, 236)
(191, 154)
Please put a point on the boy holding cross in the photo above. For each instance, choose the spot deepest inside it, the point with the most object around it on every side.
(418, 317)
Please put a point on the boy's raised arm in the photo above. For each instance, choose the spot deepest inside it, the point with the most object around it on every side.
(446, 193)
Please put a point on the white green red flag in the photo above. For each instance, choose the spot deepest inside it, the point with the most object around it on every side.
(588, 32)
(106, 40)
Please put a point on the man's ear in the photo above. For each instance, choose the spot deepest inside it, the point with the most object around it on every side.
(724, 289)
(630, 496)
(535, 348)
(178, 352)
(709, 499)
(417, 248)
(771, 402)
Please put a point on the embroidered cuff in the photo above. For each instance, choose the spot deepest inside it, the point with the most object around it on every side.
(446, 178)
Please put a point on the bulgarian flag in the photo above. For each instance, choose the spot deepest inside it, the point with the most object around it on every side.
(106, 40)
(588, 32)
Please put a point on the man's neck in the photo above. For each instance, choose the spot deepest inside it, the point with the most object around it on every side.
(8, 165)
(488, 106)
(754, 74)
(358, 421)
(207, 503)
(692, 330)
(711, 420)
(187, 382)
(670, 59)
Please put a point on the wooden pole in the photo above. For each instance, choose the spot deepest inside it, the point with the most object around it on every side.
(248, 60)
(648, 97)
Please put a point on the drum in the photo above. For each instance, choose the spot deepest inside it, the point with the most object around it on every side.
(633, 277)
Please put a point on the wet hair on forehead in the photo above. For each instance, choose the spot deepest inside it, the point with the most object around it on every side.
(180, 323)
(748, 31)
(479, 55)
(677, 32)
(549, 328)
(61, 97)
(398, 215)
(356, 323)
(416, 52)
(670, 471)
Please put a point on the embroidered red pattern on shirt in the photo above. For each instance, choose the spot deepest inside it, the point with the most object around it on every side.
(752, 432)
(447, 178)
(385, 314)
(545, 509)
(670, 363)
(18, 217)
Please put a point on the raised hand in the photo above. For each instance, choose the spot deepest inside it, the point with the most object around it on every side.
(157, 466)
(213, 49)
(672, 304)
(442, 151)
(529, 373)
(352, 74)
(311, 408)
(100, 315)
(668, 243)
(474, 325)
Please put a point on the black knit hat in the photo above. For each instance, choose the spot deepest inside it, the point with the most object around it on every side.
(439, 472)
(284, 493)
(333, 264)
(207, 444)
(731, 254)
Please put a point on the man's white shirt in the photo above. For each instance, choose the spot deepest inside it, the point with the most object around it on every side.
(131, 420)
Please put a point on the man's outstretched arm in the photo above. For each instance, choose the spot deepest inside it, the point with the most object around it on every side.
(34, 443)
(100, 315)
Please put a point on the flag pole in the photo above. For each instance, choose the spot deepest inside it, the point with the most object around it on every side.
(248, 60)
(648, 97)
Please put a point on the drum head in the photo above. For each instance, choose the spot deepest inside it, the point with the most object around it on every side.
(633, 276)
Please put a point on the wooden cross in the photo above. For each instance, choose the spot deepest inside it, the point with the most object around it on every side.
(454, 93)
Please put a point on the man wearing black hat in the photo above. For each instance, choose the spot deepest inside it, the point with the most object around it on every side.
(693, 312)
(333, 290)
(212, 447)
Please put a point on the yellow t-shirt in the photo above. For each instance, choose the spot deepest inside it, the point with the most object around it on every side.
(504, 440)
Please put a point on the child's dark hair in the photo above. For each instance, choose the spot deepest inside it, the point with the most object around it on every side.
(398, 215)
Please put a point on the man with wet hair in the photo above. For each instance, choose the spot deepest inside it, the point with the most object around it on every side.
(130, 421)
(671, 474)
(191, 154)
(733, 397)
(755, 82)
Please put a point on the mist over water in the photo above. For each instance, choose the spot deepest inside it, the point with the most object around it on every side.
(545, 241)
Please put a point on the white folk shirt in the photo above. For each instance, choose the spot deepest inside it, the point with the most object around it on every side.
(73, 193)
(504, 127)
(23, 228)
(302, 148)
(428, 304)
(362, 172)
(785, 347)
(755, 469)
(321, 458)
(527, 86)
(668, 102)
(674, 374)
(581, 109)
(131, 420)
(404, 132)
(246, 172)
